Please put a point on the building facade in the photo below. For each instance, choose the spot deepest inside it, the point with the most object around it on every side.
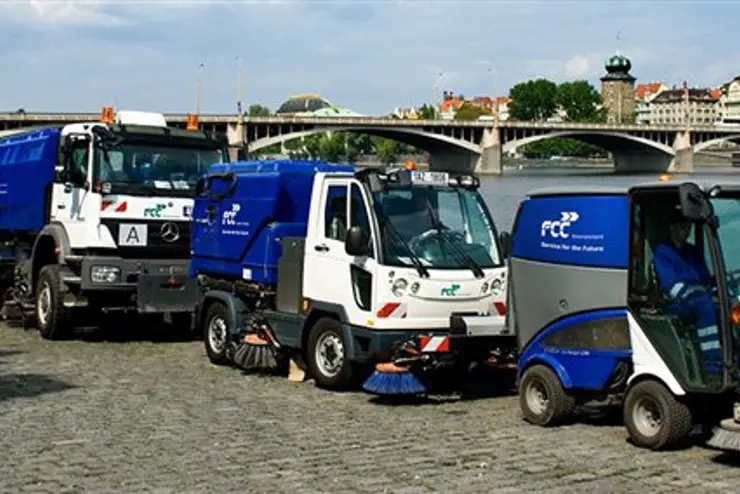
(728, 112)
(618, 90)
(687, 106)
(644, 95)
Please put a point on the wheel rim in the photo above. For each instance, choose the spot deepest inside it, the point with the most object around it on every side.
(536, 396)
(43, 307)
(647, 416)
(329, 354)
(217, 334)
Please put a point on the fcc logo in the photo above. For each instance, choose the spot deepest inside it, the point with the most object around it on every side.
(559, 228)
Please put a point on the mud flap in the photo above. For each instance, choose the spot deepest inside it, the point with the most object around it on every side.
(157, 293)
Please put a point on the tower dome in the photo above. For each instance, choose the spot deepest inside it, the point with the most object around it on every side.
(618, 63)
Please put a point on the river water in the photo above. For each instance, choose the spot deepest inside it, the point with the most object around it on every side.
(503, 193)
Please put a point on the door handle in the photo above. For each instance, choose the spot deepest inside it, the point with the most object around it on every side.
(322, 248)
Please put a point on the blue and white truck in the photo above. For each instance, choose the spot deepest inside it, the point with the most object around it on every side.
(331, 267)
(629, 295)
(96, 217)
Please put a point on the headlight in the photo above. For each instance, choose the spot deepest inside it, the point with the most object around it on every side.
(496, 287)
(105, 274)
(415, 287)
(399, 287)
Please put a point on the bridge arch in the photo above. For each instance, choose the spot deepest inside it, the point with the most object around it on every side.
(711, 142)
(418, 138)
(609, 141)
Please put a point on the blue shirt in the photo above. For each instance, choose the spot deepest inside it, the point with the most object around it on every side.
(683, 272)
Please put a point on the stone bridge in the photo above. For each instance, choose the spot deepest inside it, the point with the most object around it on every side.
(462, 145)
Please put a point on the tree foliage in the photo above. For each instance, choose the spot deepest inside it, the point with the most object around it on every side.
(257, 110)
(534, 100)
(470, 111)
(580, 101)
(427, 112)
(346, 147)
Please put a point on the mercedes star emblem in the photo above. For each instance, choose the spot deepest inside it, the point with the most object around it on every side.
(169, 232)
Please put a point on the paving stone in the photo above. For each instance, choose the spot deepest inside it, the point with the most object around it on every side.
(155, 416)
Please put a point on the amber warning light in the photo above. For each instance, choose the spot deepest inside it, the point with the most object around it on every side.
(192, 121)
(107, 115)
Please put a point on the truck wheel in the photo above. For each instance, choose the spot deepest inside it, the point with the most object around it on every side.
(52, 318)
(655, 419)
(327, 355)
(542, 398)
(216, 333)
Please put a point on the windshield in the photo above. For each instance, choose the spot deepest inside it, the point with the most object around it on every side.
(440, 225)
(156, 169)
(728, 213)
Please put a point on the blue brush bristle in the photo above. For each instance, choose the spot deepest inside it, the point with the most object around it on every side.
(393, 383)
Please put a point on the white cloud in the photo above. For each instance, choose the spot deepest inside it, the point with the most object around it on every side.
(61, 13)
(578, 66)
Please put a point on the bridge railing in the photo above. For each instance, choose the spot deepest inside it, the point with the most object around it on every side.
(17, 117)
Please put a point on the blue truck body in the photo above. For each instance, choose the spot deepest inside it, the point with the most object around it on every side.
(26, 173)
(576, 323)
(252, 204)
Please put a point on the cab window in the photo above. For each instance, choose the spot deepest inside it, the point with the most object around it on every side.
(358, 213)
(335, 213)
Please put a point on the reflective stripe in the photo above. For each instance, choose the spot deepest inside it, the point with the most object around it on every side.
(676, 288)
(710, 345)
(709, 330)
(691, 290)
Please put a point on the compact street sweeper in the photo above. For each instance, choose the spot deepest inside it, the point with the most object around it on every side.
(629, 293)
(334, 269)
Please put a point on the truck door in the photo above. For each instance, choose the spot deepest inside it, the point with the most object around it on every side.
(331, 275)
(71, 187)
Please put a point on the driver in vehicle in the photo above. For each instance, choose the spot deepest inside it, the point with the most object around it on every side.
(684, 277)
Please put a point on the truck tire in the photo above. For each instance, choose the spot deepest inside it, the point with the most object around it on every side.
(542, 398)
(216, 333)
(52, 317)
(655, 419)
(326, 355)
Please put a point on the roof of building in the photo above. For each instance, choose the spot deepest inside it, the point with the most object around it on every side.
(695, 94)
(650, 88)
(314, 104)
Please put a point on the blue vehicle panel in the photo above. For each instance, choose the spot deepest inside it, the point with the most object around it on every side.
(26, 172)
(584, 230)
(253, 205)
(581, 351)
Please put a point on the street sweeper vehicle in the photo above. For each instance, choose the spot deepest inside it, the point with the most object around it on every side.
(630, 295)
(330, 269)
(95, 217)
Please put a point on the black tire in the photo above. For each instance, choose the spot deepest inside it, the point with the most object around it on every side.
(641, 404)
(217, 332)
(52, 317)
(327, 335)
(542, 398)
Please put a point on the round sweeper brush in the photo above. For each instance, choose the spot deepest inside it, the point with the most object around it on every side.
(392, 379)
(255, 353)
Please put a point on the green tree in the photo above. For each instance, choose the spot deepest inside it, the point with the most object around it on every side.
(257, 110)
(387, 150)
(580, 101)
(470, 111)
(427, 112)
(534, 100)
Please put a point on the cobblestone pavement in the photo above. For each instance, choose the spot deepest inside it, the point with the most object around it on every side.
(142, 416)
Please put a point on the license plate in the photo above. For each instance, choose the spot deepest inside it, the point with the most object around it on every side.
(430, 178)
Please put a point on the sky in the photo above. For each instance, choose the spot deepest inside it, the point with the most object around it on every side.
(367, 55)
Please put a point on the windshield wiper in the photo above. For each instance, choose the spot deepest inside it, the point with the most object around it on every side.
(436, 223)
(399, 239)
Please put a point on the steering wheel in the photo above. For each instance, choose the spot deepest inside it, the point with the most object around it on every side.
(419, 242)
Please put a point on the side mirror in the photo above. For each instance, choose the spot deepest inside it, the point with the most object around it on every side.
(505, 240)
(356, 242)
(694, 203)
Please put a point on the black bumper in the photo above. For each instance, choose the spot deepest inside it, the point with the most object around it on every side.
(149, 286)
